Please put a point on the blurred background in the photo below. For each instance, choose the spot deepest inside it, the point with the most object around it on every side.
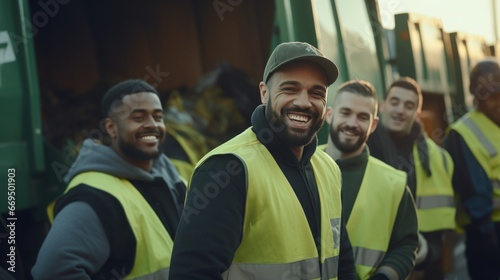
(206, 58)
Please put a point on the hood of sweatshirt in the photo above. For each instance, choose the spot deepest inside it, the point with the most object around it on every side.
(100, 158)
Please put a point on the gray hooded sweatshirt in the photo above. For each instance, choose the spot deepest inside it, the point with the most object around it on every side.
(77, 246)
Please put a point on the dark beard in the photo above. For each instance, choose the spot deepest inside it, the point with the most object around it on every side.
(346, 148)
(277, 124)
(137, 154)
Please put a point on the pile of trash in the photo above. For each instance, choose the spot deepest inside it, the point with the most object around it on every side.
(197, 120)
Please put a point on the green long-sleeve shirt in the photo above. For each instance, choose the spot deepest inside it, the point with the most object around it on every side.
(404, 239)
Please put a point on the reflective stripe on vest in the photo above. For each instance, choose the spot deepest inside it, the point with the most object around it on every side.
(330, 268)
(154, 244)
(482, 137)
(476, 127)
(437, 201)
(435, 198)
(276, 233)
(160, 274)
(368, 257)
(304, 269)
(374, 210)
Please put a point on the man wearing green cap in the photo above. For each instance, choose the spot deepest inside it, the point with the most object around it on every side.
(266, 204)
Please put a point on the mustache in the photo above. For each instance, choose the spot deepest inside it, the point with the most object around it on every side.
(151, 131)
(297, 109)
(350, 129)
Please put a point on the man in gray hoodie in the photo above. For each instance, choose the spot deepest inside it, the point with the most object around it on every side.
(119, 213)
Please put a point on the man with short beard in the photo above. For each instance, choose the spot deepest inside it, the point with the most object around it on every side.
(119, 214)
(266, 204)
(378, 206)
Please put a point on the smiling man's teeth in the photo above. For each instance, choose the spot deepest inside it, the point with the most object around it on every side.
(298, 118)
(346, 132)
(149, 137)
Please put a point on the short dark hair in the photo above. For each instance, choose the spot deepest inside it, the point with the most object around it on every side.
(485, 78)
(410, 84)
(360, 87)
(116, 93)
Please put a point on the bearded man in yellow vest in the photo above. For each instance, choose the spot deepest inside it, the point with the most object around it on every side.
(402, 143)
(378, 206)
(474, 144)
(266, 204)
(119, 214)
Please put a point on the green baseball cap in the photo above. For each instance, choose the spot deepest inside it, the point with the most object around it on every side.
(299, 51)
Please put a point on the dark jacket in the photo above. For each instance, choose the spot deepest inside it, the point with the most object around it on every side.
(208, 238)
(476, 191)
(397, 151)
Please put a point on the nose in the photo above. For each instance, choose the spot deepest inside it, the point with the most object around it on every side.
(150, 122)
(400, 108)
(302, 99)
(351, 121)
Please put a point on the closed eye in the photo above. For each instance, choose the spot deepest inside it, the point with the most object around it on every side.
(345, 112)
(318, 94)
(409, 105)
(364, 117)
(289, 89)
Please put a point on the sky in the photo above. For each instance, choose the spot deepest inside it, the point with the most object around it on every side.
(471, 16)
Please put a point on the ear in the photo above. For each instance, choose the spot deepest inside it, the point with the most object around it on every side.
(329, 115)
(110, 126)
(374, 124)
(264, 93)
(418, 114)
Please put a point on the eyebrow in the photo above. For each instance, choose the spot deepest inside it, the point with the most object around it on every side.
(288, 83)
(293, 83)
(406, 101)
(350, 110)
(145, 111)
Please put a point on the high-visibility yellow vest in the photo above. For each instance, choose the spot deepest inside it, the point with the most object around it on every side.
(434, 194)
(482, 136)
(153, 242)
(277, 241)
(374, 210)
